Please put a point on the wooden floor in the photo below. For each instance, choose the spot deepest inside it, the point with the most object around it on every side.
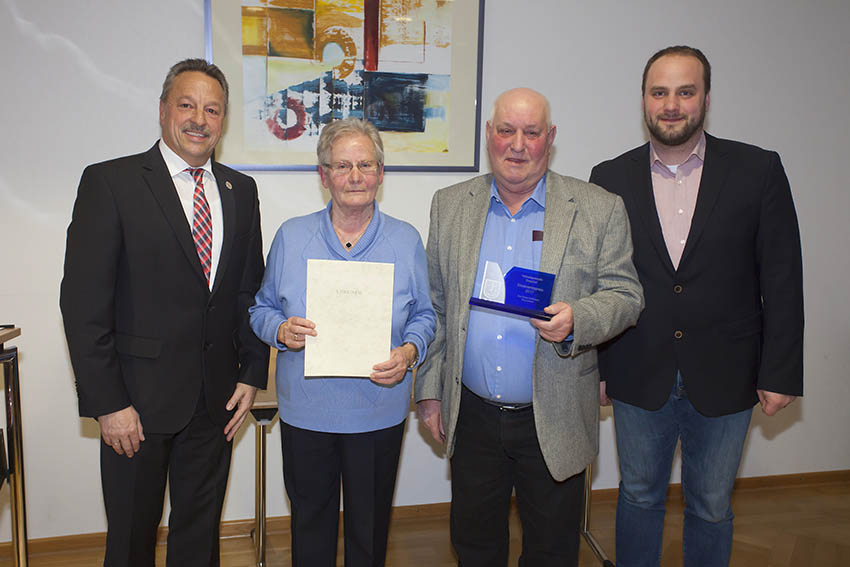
(790, 526)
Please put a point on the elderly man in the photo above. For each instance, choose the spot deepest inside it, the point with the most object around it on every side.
(717, 249)
(163, 259)
(514, 399)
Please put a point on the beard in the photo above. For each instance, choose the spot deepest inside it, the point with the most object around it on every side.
(675, 137)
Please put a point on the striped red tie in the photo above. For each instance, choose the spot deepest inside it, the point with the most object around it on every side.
(201, 222)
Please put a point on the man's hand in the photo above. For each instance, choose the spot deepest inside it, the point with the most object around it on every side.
(291, 332)
(604, 400)
(392, 371)
(122, 430)
(242, 399)
(560, 326)
(431, 414)
(771, 402)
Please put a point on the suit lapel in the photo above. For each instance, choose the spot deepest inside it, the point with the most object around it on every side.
(161, 186)
(473, 217)
(228, 211)
(645, 199)
(557, 223)
(715, 169)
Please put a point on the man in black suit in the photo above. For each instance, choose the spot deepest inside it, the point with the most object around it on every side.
(163, 259)
(717, 249)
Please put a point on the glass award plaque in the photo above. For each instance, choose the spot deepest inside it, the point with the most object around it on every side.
(521, 291)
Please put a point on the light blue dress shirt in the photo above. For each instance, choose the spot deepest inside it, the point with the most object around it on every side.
(498, 361)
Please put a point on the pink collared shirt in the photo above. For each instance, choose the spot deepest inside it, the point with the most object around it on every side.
(675, 189)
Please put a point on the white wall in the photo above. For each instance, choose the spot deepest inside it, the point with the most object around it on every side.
(81, 81)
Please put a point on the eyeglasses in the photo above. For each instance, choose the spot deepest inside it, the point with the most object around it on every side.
(342, 168)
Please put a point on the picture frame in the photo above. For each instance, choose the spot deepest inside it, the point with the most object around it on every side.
(412, 68)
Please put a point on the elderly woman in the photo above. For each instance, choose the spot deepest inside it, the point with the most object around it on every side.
(348, 428)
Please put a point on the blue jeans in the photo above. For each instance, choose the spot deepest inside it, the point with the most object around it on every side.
(711, 453)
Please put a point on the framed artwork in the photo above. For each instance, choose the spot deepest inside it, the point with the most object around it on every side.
(411, 67)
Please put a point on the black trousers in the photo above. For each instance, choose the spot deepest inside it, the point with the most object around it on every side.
(495, 452)
(196, 462)
(313, 463)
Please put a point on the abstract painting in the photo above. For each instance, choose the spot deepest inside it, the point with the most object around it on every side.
(411, 67)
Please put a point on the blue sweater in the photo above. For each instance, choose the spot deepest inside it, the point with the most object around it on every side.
(342, 405)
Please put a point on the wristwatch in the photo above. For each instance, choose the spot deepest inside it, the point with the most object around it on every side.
(415, 362)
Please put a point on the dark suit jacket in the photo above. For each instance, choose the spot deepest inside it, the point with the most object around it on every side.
(731, 317)
(142, 326)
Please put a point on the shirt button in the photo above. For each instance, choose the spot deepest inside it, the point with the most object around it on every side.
(678, 182)
(682, 241)
(498, 396)
(510, 247)
(681, 211)
(499, 368)
(513, 220)
(499, 337)
(678, 334)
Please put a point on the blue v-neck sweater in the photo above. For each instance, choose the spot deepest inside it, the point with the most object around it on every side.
(342, 405)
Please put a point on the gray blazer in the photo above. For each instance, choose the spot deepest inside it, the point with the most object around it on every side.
(587, 245)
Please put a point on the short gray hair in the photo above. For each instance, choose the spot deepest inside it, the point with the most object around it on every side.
(348, 127)
(199, 65)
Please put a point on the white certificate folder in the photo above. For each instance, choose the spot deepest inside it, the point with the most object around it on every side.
(351, 304)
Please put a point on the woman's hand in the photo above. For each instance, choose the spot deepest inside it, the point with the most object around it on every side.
(292, 332)
(392, 371)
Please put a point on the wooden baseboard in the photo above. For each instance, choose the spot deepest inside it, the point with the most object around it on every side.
(61, 543)
(280, 524)
(799, 479)
(752, 483)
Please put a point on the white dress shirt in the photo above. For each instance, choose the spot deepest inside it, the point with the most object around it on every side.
(184, 183)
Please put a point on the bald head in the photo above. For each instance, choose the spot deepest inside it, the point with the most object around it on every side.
(519, 138)
(525, 95)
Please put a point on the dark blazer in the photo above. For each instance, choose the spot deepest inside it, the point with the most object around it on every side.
(731, 317)
(142, 326)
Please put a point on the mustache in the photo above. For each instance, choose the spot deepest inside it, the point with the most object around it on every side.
(197, 129)
(674, 115)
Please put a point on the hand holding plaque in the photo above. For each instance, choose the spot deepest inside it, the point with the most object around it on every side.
(521, 291)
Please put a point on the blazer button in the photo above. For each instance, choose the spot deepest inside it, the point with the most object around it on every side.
(678, 334)
(677, 288)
